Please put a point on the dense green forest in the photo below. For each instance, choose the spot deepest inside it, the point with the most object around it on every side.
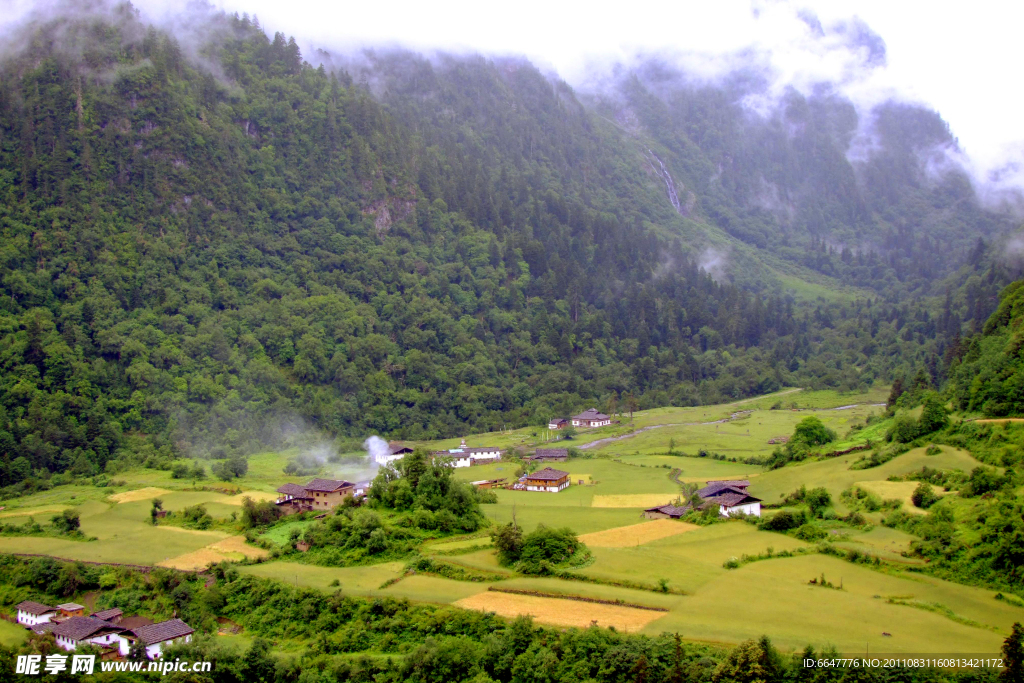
(197, 245)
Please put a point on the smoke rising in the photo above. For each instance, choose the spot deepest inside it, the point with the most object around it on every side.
(376, 447)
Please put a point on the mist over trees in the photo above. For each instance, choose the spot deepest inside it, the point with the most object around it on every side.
(193, 242)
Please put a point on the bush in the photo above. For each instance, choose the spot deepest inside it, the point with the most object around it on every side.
(813, 432)
(784, 520)
(932, 450)
(924, 497)
(66, 522)
(809, 532)
(258, 514)
(197, 517)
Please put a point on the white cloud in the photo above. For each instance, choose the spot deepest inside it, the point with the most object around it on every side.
(958, 60)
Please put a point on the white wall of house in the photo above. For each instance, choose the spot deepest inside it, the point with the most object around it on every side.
(486, 456)
(387, 458)
(66, 643)
(748, 509)
(154, 651)
(550, 489)
(33, 619)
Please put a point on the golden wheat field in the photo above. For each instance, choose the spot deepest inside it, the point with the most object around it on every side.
(901, 490)
(138, 494)
(257, 496)
(561, 612)
(237, 544)
(636, 534)
(197, 559)
(632, 500)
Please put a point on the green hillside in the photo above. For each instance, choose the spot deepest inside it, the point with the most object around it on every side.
(206, 251)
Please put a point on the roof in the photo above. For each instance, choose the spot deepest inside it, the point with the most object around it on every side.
(163, 631)
(551, 453)
(590, 414)
(327, 485)
(556, 420)
(33, 607)
(732, 498)
(715, 487)
(131, 623)
(548, 474)
(45, 627)
(108, 614)
(70, 606)
(80, 628)
(670, 510)
(293, 490)
(397, 447)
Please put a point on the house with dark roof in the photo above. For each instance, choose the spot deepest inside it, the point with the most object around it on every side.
(71, 609)
(666, 512)
(549, 455)
(591, 418)
(32, 613)
(156, 637)
(328, 493)
(76, 631)
(547, 479)
(558, 423)
(731, 497)
(293, 499)
(112, 616)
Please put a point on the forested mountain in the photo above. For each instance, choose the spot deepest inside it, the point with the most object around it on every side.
(195, 244)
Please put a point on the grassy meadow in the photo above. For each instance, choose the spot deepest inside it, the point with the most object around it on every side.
(705, 600)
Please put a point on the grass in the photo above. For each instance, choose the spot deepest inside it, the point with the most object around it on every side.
(363, 580)
(281, 533)
(899, 490)
(12, 635)
(835, 473)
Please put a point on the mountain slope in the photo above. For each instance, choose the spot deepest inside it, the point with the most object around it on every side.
(199, 247)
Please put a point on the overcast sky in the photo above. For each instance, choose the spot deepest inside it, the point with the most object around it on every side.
(960, 58)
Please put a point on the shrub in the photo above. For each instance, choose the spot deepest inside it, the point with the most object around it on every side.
(924, 497)
(809, 532)
(813, 432)
(784, 520)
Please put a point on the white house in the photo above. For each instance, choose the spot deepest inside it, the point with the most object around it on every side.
(396, 451)
(31, 613)
(156, 637)
(76, 631)
(731, 497)
(591, 418)
(464, 456)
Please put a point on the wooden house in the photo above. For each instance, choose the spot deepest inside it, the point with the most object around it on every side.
(70, 609)
(550, 455)
(558, 423)
(294, 498)
(666, 512)
(328, 493)
(111, 616)
(547, 479)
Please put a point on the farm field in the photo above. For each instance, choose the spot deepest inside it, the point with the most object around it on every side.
(12, 634)
(620, 479)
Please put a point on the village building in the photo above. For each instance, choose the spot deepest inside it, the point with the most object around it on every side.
(156, 637)
(71, 609)
(464, 456)
(666, 512)
(112, 616)
(731, 497)
(547, 479)
(488, 483)
(79, 630)
(558, 423)
(294, 498)
(396, 451)
(319, 494)
(31, 613)
(591, 418)
(361, 488)
(328, 493)
(549, 455)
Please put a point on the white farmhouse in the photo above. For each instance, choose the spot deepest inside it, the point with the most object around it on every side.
(591, 418)
(464, 456)
(156, 637)
(76, 631)
(31, 613)
(731, 497)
